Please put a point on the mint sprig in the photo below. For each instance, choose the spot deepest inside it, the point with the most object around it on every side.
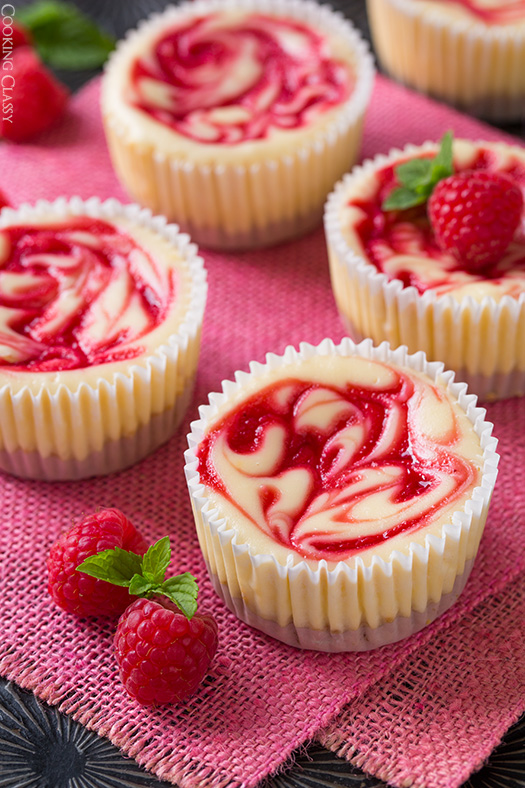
(64, 37)
(418, 177)
(144, 575)
(116, 566)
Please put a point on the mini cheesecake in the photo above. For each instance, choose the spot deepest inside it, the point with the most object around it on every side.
(468, 52)
(100, 313)
(340, 493)
(392, 282)
(236, 121)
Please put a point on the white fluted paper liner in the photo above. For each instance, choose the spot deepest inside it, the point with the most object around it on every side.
(87, 422)
(478, 67)
(344, 606)
(482, 341)
(237, 196)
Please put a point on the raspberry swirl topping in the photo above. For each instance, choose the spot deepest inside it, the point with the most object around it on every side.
(228, 78)
(496, 12)
(328, 471)
(76, 293)
(402, 244)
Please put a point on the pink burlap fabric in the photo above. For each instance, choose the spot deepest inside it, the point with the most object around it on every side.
(262, 699)
(438, 717)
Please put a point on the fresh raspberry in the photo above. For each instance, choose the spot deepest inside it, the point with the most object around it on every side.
(80, 593)
(33, 98)
(474, 215)
(13, 35)
(162, 655)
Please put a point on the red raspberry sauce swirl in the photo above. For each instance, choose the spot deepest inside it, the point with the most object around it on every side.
(75, 293)
(391, 238)
(501, 13)
(370, 451)
(260, 73)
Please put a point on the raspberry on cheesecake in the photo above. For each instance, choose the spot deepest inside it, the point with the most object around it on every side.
(442, 271)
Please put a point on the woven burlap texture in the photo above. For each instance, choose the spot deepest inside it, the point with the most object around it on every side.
(262, 699)
(437, 719)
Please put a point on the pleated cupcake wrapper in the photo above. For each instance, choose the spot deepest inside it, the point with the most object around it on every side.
(85, 429)
(482, 341)
(342, 607)
(252, 201)
(478, 67)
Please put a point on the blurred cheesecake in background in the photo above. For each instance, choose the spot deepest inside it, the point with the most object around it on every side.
(470, 53)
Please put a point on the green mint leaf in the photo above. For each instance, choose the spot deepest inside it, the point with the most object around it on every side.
(182, 590)
(419, 176)
(140, 586)
(402, 198)
(40, 14)
(74, 57)
(413, 172)
(64, 37)
(115, 566)
(157, 560)
(443, 161)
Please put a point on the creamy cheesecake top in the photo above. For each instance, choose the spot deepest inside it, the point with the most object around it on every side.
(228, 77)
(333, 458)
(401, 244)
(78, 293)
(488, 12)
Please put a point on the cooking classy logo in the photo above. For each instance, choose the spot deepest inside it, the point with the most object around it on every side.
(7, 81)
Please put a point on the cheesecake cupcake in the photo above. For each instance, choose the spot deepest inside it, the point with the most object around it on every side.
(470, 53)
(340, 493)
(394, 278)
(101, 307)
(235, 119)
